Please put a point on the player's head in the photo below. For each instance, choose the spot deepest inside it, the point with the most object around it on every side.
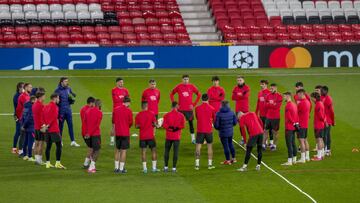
(40, 95)
(299, 85)
(186, 79)
(126, 101)
(174, 105)
(144, 105)
(32, 99)
(315, 96)
(64, 81)
(98, 103)
(225, 103)
(40, 89)
(20, 87)
(119, 82)
(264, 84)
(215, 80)
(300, 93)
(204, 97)
(54, 97)
(273, 87)
(28, 87)
(318, 88)
(287, 96)
(90, 101)
(240, 80)
(324, 90)
(152, 83)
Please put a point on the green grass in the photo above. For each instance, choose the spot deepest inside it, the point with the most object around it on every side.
(336, 179)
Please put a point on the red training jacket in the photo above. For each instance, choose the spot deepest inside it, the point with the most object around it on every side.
(261, 103)
(50, 117)
(123, 120)
(329, 109)
(37, 109)
(23, 98)
(93, 117)
(152, 97)
(319, 116)
(82, 117)
(252, 123)
(297, 99)
(241, 97)
(185, 93)
(291, 115)
(303, 107)
(216, 96)
(145, 121)
(118, 95)
(205, 116)
(273, 105)
(173, 119)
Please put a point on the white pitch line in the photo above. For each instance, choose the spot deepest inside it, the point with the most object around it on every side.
(278, 174)
(258, 74)
(105, 113)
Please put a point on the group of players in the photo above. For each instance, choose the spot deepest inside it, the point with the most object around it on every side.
(33, 117)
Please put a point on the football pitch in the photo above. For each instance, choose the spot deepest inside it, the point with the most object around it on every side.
(335, 179)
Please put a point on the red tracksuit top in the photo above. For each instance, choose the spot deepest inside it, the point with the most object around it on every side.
(319, 116)
(291, 115)
(82, 117)
(118, 95)
(37, 109)
(123, 120)
(93, 117)
(173, 119)
(303, 107)
(145, 120)
(241, 97)
(50, 117)
(152, 97)
(185, 93)
(216, 96)
(23, 98)
(252, 123)
(261, 103)
(297, 100)
(329, 109)
(273, 105)
(205, 116)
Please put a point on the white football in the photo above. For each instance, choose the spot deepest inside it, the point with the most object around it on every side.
(160, 121)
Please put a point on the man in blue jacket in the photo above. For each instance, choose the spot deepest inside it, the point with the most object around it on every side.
(19, 90)
(224, 122)
(28, 127)
(66, 99)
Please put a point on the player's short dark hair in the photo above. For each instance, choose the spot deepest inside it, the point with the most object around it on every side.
(299, 84)
(90, 100)
(324, 89)
(39, 94)
(224, 103)
(240, 76)
(126, 99)
(32, 98)
(287, 93)
(152, 81)
(185, 76)
(204, 97)
(215, 78)
(98, 102)
(315, 95)
(19, 85)
(26, 84)
(62, 79)
(119, 79)
(318, 86)
(144, 104)
(300, 91)
(264, 82)
(174, 104)
(54, 95)
(273, 85)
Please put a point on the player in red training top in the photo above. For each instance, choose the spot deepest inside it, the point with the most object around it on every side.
(240, 95)
(152, 96)
(303, 107)
(119, 92)
(300, 86)
(216, 93)
(205, 116)
(255, 129)
(261, 106)
(145, 121)
(185, 92)
(319, 125)
(90, 103)
(330, 117)
(318, 89)
(291, 125)
(273, 105)
(37, 109)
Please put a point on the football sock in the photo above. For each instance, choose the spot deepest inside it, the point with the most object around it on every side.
(144, 165)
(116, 164)
(122, 164)
(154, 164)
(210, 162)
(307, 155)
(197, 162)
(87, 161)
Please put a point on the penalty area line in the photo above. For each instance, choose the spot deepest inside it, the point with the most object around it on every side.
(278, 174)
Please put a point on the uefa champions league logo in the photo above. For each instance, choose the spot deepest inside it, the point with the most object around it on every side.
(243, 59)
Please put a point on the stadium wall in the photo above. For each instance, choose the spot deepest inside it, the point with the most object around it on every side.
(151, 57)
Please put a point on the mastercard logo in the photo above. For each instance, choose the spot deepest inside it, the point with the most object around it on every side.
(297, 57)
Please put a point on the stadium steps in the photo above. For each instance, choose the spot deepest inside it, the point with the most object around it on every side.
(198, 21)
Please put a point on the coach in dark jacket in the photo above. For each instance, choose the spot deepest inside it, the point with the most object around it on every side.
(28, 127)
(224, 123)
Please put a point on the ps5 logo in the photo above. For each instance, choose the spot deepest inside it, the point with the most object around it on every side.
(42, 60)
